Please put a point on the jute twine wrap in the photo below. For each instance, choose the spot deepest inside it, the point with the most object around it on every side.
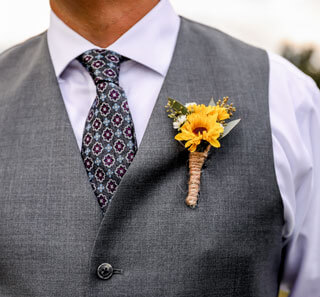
(196, 161)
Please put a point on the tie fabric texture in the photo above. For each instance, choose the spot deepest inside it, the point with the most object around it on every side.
(108, 143)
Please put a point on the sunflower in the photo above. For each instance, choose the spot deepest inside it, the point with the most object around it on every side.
(222, 112)
(200, 126)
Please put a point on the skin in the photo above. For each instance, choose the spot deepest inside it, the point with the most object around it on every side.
(101, 22)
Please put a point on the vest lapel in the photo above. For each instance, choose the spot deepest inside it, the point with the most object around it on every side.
(161, 162)
(186, 81)
(56, 137)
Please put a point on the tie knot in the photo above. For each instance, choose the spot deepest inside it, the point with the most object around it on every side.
(103, 65)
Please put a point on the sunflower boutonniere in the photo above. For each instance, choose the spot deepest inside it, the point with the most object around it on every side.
(200, 127)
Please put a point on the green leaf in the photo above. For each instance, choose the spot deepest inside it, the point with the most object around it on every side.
(229, 127)
(212, 103)
(177, 106)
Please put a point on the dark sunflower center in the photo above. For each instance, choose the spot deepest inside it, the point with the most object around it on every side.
(199, 129)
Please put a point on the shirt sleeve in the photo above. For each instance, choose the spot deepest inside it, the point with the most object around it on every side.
(294, 102)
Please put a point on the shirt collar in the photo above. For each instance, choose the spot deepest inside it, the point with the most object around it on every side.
(150, 42)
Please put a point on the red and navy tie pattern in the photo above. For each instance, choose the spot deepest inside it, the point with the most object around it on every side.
(109, 142)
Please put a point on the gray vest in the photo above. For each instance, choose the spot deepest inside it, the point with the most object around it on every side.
(52, 233)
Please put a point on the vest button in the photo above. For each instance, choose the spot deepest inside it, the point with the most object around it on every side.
(105, 271)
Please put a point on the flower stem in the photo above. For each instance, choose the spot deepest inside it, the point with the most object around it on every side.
(196, 161)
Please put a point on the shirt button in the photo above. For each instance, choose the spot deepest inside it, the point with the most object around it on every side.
(105, 271)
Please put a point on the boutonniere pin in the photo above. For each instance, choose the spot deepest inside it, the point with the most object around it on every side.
(200, 127)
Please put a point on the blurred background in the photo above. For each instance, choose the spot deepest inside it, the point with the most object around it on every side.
(288, 27)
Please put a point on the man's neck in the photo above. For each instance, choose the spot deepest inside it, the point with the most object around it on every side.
(103, 21)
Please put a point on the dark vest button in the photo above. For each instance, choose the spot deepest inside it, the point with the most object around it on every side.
(105, 271)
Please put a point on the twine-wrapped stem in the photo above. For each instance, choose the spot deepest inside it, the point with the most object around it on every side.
(196, 161)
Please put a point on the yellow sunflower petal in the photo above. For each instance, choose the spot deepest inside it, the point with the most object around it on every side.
(192, 145)
(214, 142)
(195, 141)
(184, 135)
(192, 148)
(201, 108)
(221, 112)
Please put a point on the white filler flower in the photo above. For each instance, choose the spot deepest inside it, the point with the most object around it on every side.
(179, 121)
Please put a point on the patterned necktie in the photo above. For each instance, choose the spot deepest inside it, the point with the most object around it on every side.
(109, 142)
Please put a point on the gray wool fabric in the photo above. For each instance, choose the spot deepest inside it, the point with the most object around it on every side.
(52, 233)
